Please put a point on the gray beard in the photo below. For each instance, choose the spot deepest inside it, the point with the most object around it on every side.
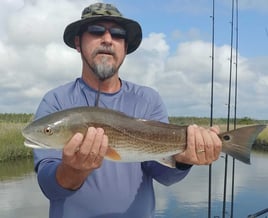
(103, 70)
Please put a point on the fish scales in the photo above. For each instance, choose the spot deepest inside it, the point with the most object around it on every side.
(137, 138)
(138, 133)
(133, 147)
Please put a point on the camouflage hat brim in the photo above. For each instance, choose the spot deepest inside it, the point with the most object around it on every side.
(133, 29)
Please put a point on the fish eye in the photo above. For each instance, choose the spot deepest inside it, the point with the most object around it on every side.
(226, 137)
(48, 130)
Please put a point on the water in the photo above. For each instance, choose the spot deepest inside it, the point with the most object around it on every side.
(20, 194)
(189, 197)
(22, 198)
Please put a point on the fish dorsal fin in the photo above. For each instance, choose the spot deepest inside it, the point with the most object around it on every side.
(112, 154)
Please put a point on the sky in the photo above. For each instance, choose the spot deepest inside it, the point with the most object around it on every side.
(174, 57)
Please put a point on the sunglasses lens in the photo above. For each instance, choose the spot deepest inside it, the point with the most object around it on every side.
(118, 33)
(114, 31)
(96, 30)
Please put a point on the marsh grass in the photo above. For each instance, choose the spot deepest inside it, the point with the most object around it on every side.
(261, 143)
(11, 142)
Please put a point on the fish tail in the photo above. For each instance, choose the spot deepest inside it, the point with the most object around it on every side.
(238, 143)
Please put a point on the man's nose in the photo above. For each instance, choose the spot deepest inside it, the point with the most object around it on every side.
(107, 37)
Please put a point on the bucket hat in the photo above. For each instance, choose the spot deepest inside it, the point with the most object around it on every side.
(104, 12)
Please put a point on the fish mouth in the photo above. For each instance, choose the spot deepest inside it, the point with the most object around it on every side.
(31, 144)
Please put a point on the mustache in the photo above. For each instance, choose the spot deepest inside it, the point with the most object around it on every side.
(104, 50)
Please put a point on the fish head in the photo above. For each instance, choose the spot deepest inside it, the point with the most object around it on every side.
(52, 131)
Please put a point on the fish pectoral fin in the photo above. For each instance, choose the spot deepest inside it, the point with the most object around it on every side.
(168, 162)
(112, 154)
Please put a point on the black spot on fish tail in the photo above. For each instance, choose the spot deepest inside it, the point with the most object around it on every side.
(238, 142)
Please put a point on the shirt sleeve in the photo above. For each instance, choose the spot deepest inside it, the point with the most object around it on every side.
(163, 174)
(46, 176)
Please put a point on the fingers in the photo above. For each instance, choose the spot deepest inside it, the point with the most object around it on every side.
(89, 149)
(192, 147)
(208, 145)
(103, 149)
(211, 146)
(73, 145)
(215, 129)
(86, 153)
(203, 146)
(200, 144)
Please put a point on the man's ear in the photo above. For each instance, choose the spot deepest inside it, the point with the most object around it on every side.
(77, 43)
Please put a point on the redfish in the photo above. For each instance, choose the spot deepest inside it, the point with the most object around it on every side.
(130, 139)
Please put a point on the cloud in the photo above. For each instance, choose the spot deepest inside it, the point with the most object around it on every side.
(184, 78)
(148, 62)
(33, 55)
(35, 59)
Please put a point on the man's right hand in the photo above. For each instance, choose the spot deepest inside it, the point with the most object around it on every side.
(81, 155)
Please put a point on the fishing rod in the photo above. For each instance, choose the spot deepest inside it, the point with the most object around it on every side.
(211, 102)
(235, 107)
(259, 213)
(228, 115)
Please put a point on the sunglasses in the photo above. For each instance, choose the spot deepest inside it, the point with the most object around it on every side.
(116, 32)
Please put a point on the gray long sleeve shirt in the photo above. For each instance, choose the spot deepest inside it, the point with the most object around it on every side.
(115, 190)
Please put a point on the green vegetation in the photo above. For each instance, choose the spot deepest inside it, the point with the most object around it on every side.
(15, 118)
(204, 121)
(11, 140)
(261, 143)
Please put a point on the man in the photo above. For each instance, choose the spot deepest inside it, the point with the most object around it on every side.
(78, 181)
